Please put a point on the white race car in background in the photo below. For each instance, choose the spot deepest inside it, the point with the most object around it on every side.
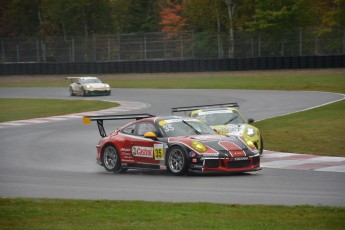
(85, 86)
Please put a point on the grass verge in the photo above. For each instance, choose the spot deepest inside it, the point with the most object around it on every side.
(23, 108)
(319, 131)
(101, 214)
(320, 82)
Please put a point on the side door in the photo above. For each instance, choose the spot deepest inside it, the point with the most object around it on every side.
(146, 150)
(77, 85)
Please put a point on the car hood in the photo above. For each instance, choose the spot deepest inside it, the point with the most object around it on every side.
(233, 129)
(217, 145)
(96, 85)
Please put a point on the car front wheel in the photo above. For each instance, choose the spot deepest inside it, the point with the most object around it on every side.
(177, 161)
(83, 93)
(71, 93)
(262, 146)
(111, 159)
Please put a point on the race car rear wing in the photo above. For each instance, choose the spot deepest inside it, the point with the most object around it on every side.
(191, 108)
(72, 79)
(87, 119)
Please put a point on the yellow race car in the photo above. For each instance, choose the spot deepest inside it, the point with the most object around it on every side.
(226, 119)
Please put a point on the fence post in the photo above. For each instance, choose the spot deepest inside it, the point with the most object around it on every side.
(300, 42)
(259, 46)
(193, 54)
(282, 48)
(219, 46)
(344, 41)
(109, 48)
(181, 42)
(252, 46)
(3, 50)
(316, 46)
(37, 50)
(145, 47)
(94, 47)
(118, 47)
(72, 51)
(18, 59)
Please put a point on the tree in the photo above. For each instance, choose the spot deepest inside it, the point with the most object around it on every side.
(172, 20)
(20, 18)
(218, 17)
(6, 24)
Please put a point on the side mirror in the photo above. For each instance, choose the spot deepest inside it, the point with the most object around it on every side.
(217, 131)
(151, 135)
(250, 120)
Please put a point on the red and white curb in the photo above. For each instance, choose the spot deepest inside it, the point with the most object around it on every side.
(271, 159)
(124, 106)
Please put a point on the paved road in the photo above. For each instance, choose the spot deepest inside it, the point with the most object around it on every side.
(57, 159)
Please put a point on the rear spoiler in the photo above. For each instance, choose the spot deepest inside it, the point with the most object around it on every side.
(88, 119)
(72, 78)
(191, 108)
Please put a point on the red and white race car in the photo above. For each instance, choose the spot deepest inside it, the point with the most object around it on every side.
(178, 144)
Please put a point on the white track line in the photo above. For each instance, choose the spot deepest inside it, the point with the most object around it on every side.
(314, 107)
(124, 106)
(271, 159)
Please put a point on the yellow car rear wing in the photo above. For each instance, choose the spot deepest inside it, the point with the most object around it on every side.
(99, 119)
(191, 108)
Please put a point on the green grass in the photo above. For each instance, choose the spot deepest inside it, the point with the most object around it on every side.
(101, 214)
(331, 82)
(319, 131)
(23, 108)
(320, 82)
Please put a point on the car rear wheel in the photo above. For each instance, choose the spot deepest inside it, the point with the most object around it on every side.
(111, 159)
(177, 161)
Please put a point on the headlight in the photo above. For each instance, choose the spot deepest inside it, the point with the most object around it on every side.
(198, 146)
(88, 87)
(107, 86)
(250, 144)
(250, 132)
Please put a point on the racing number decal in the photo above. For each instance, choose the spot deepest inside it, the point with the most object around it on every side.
(158, 151)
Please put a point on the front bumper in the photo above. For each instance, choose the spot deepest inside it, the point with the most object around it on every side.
(97, 92)
(246, 164)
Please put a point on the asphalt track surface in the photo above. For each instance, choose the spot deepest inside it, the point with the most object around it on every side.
(57, 159)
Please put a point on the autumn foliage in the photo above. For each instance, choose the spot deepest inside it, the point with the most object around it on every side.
(172, 20)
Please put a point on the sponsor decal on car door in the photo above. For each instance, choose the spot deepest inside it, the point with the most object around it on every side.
(147, 151)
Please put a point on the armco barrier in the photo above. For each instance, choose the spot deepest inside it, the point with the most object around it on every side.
(190, 65)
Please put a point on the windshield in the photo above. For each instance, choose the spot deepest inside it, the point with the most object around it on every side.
(90, 80)
(220, 117)
(184, 127)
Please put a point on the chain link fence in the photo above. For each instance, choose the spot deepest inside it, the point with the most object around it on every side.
(162, 46)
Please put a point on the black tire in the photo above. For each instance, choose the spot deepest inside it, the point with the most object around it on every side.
(261, 150)
(110, 159)
(71, 92)
(177, 161)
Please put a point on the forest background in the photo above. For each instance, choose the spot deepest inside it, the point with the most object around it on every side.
(301, 27)
(86, 17)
